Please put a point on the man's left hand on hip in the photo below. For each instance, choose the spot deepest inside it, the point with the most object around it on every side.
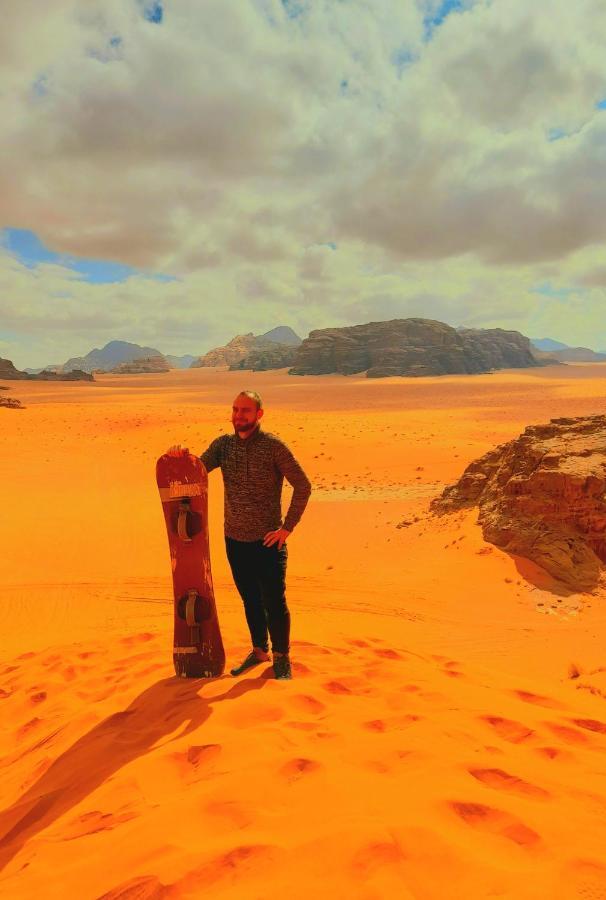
(278, 536)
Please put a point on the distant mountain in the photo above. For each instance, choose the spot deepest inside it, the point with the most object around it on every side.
(573, 354)
(547, 344)
(180, 362)
(109, 357)
(282, 335)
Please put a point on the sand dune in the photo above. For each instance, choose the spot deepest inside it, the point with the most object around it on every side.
(445, 731)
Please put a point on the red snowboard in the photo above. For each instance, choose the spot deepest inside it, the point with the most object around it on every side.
(183, 484)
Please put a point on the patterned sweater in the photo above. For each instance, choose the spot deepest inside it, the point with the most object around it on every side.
(253, 472)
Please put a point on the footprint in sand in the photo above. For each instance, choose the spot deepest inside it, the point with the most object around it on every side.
(508, 729)
(553, 752)
(569, 735)
(142, 638)
(300, 669)
(537, 699)
(336, 687)
(295, 768)
(591, 725)
(93, 822)
(377, 855)
(307, 703)
(496, 821)
(358, 643)
(503, 781)
(387, 654)
(376, 725)
(38, 697)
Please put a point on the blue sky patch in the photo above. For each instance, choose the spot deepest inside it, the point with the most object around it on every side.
(556, 134)
(293, 8)
(31, 252)
(443, 11)
(153, 12)
(548, 290)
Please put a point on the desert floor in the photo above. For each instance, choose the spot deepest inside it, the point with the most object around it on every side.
(444, 735)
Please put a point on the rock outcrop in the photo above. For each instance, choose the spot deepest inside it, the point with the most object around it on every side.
(9, 373)
(542, 496)
(276, 356)
(412, 347)
(145, 365)
(11, 403)
(244, 344)
(231, 353)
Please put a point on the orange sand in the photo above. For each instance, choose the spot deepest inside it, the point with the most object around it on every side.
(432, 743)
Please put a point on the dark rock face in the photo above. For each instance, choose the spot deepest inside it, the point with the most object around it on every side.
(10, 373)
(542, 496)
(412, 347)
(277, 356)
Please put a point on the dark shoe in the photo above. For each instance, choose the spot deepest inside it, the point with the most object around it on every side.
(254, 658)
(282, 668)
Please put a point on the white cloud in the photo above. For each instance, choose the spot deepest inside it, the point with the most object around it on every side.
(231, 144)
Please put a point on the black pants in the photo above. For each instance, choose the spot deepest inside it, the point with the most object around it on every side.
(260, 576)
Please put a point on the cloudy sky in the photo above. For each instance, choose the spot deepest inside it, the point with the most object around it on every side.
(177, 172)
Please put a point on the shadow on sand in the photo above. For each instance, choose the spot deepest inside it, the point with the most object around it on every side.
(110, 745)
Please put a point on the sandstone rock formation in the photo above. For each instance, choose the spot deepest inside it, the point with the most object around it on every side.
(542, 496)
(276, 356)
(141, 366)
(412, 347)
(231, 353)
(9, 373)
(243, 344)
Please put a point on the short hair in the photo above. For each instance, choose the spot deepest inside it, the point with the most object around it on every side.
(253, 396)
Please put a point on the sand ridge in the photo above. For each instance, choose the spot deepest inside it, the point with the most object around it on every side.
(445, 730)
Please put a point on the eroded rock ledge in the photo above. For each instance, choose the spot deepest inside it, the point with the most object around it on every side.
(542, 496)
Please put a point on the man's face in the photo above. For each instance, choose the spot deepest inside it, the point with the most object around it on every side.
(244, 414)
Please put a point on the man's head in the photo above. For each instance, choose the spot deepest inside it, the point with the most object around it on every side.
(246, 411)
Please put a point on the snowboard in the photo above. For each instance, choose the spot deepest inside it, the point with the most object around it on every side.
(183, 484)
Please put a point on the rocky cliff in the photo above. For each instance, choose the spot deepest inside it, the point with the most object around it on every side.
(542, 496)
(412, 347)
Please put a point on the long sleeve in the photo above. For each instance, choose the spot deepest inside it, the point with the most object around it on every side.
(211, 458)
(294, 474)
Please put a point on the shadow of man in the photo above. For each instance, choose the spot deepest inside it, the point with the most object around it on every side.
(110, 745)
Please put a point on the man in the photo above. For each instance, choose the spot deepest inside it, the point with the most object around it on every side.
(254, 464)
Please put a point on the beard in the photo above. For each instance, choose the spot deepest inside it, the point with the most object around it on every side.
(245, 426)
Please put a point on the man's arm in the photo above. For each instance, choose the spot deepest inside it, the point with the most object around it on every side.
(211, 458)
(294, 474)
